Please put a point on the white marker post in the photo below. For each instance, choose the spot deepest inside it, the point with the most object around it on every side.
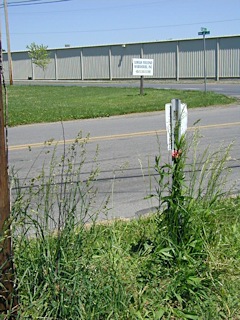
(176, 122)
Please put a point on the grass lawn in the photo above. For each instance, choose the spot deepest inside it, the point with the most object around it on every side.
(36, 104)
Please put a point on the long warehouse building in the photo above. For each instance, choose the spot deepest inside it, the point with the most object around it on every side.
(173, 60)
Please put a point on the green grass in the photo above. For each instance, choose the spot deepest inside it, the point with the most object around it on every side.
(36, 104)
(115, 272)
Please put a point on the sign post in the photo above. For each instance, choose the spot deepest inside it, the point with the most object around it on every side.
(203, 33)
(141, 86)
(142, 67)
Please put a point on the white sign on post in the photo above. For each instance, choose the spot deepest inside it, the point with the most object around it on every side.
(142, 67)
(175, 114)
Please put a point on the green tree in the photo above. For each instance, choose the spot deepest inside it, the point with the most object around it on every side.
(39, 55)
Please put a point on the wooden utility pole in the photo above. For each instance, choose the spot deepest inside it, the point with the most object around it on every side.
(7, 297)
(8, 43)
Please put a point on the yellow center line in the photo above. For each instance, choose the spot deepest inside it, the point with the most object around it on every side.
(114, 137)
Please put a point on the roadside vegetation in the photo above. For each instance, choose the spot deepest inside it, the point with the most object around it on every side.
(181, 262)
(36, 104)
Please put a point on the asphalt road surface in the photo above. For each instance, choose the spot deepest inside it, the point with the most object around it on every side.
(127, 146)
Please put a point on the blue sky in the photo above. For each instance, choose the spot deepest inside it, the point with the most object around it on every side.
(94, 22)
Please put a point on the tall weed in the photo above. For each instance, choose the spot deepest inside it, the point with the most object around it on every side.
(188, 196)
(50, 217)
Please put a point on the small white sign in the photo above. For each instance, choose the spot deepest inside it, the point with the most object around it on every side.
(142, 67)
(184, 119)
(173, 117)
(168, 125)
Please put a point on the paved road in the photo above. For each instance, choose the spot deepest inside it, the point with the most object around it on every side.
(127, 148)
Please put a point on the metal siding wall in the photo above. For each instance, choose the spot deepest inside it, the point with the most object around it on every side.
(191, 59)
(21, 66)
(50, 72)
(122, 60)
(211, 47)
(96, 63)
(164, 55)
(229, 57)
(5, 66)
(68, 64)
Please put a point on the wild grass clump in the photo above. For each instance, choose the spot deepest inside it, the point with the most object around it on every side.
(181, 262)
(187, 232)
